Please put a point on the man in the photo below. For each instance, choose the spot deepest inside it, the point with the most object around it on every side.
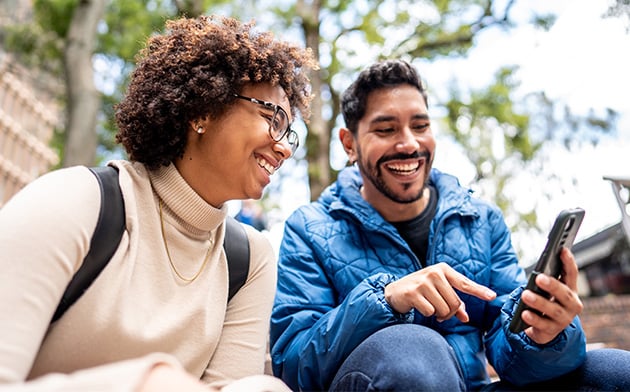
(398, 279)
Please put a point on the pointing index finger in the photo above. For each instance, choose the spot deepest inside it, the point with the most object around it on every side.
(464, 284)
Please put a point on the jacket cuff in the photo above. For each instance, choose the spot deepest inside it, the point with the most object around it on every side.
(378, 283)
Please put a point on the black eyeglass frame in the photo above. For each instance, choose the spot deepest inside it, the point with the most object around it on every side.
(291, 135)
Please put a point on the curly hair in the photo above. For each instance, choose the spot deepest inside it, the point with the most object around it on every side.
(190, 72)
(383, 74)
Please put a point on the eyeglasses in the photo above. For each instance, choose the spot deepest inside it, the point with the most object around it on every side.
(279, 125)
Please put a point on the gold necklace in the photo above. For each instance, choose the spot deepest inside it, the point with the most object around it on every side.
(170, 261)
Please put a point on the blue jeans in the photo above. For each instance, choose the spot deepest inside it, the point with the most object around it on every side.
(604, 369)
(396, 359)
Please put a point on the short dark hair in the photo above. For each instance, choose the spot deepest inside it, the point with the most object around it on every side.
(191, 71)
(383, 74)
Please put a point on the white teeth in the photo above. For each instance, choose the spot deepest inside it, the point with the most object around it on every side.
(266, 165)
(404, 168)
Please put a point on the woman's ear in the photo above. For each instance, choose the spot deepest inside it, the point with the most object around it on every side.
(197, 126)
(347, 140)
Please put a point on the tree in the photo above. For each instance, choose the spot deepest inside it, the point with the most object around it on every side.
(346, 35)
(501, 136)
(620, 8)
(83, 99)
(64, 38)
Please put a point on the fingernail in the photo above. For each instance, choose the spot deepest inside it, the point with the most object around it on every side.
(465, 317)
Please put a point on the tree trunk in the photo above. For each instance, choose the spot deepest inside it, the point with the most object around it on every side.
(318, 137)
(84, 100)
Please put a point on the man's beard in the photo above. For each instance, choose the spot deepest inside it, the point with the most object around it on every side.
(374, 174)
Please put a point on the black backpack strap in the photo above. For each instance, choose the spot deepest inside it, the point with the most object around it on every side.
(236, 247)
(105, 240)
(110, 228)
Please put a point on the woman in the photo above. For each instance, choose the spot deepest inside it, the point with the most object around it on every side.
(206, 119)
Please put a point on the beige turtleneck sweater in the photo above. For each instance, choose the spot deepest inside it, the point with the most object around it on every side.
(137, 313)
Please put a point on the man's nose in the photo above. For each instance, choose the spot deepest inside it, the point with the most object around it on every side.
(407, 140)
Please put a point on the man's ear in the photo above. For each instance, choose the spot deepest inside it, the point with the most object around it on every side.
(347, 140)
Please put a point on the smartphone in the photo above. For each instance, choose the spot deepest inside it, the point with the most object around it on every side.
(562, 234)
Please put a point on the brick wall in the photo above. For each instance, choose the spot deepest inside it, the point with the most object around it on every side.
(606, 321)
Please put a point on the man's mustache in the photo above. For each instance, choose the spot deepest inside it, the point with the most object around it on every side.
(402, 156)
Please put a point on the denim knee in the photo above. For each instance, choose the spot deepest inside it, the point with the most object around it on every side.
(404, 357)
(607, 369)
(603, 370)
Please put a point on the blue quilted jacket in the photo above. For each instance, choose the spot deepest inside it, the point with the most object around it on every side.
(338, 254)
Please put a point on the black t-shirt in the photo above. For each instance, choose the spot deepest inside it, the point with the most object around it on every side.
(416, 231)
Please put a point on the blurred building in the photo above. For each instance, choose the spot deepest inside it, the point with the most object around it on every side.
(604, 258)
(27, 122)
(604, 263)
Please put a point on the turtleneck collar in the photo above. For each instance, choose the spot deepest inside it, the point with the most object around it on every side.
(183, 202)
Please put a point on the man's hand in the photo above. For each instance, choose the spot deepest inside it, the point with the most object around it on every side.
(563, 305)
(431, 291)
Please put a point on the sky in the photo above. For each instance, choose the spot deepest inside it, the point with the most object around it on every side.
(583, 60)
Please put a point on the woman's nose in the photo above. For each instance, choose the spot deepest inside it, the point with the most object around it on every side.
(283, 148)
